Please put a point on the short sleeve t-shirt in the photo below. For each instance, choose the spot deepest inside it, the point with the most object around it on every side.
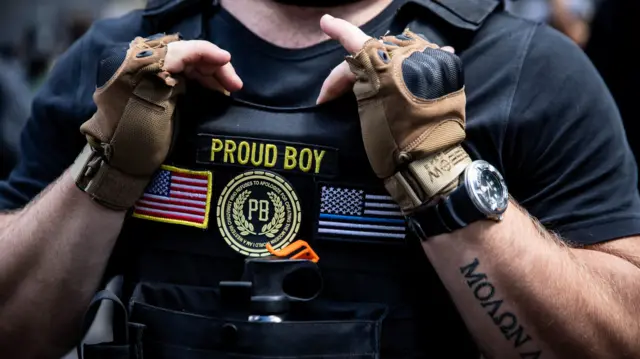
(536, 109)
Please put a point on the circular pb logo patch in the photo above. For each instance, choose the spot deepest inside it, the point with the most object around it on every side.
(256, 208)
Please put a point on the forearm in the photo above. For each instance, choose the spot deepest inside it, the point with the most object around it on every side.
(523, 294)
(52, 256)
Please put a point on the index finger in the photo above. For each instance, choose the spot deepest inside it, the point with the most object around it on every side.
(180, 54)
(349, 35)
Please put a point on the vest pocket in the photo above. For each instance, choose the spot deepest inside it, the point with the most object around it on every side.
(191, 322)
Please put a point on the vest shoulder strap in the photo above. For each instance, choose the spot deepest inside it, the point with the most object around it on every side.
(183, 16)
(465, 14)
(454, 22)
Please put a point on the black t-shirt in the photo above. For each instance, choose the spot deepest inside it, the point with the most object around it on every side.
(276, 76)
(537, 110)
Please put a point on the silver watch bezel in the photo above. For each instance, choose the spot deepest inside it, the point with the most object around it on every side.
(471, 175)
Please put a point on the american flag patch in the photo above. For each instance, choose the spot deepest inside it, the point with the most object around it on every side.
(359, 214)
(177, 196)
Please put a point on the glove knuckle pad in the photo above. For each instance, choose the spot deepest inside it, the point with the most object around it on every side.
(432, 73)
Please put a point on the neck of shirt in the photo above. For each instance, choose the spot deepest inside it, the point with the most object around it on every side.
(278, 76)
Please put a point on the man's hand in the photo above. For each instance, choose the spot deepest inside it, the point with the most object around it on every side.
(204, 62)
(341, 79)
(131, 133)
(412, 109)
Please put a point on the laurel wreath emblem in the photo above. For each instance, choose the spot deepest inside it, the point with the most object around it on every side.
(244, 227)
(271, 229)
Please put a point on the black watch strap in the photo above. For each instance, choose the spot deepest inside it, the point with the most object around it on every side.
(433, 223)
(452, 213)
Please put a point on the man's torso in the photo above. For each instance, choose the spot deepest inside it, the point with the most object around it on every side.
(317, 169)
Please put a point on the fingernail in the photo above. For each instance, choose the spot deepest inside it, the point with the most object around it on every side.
(329, 16)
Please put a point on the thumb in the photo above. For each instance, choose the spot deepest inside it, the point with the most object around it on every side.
(339, 82)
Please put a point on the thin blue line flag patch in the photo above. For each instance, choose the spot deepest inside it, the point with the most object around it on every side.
(358, 214)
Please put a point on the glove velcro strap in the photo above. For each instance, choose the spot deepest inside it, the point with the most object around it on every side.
(402, 192)
(436, 172)
(427, 178)
(105, 184)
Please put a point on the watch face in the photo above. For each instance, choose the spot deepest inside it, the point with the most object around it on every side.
(487, 188)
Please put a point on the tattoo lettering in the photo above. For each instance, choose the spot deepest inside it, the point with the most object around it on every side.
(485, 292)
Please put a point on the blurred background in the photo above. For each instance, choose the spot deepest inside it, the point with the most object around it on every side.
(33, 33)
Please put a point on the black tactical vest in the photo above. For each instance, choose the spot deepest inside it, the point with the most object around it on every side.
(198, 280)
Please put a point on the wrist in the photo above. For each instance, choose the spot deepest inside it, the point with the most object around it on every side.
(69, 188)
(104, 184)
(481, 196)
(429, 179)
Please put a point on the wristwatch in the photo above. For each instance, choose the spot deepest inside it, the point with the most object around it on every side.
(481, 195)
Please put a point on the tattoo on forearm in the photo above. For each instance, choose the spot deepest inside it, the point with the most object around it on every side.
(485, 292)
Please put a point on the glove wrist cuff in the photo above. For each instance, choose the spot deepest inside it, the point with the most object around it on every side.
(105, 184)
(427, 179)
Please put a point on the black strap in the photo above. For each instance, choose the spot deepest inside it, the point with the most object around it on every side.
(120, 318)
(454, 212)
(445, 22)
(472, 13)
(190, 18)
(432, 223)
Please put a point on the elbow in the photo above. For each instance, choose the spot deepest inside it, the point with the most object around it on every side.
(623, 345)
(604, 349)
(28, 338)
(31, 346)
(621, 332)
(599, 332)
(614, 349)
(609, 341)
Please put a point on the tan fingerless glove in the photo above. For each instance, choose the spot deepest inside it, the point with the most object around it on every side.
(130, 134)
(411, 101)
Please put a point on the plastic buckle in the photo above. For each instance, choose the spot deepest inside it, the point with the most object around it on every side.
(301, 249)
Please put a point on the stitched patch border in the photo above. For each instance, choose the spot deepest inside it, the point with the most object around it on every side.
(177, 196)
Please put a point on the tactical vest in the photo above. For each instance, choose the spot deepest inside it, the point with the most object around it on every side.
(198, 281)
